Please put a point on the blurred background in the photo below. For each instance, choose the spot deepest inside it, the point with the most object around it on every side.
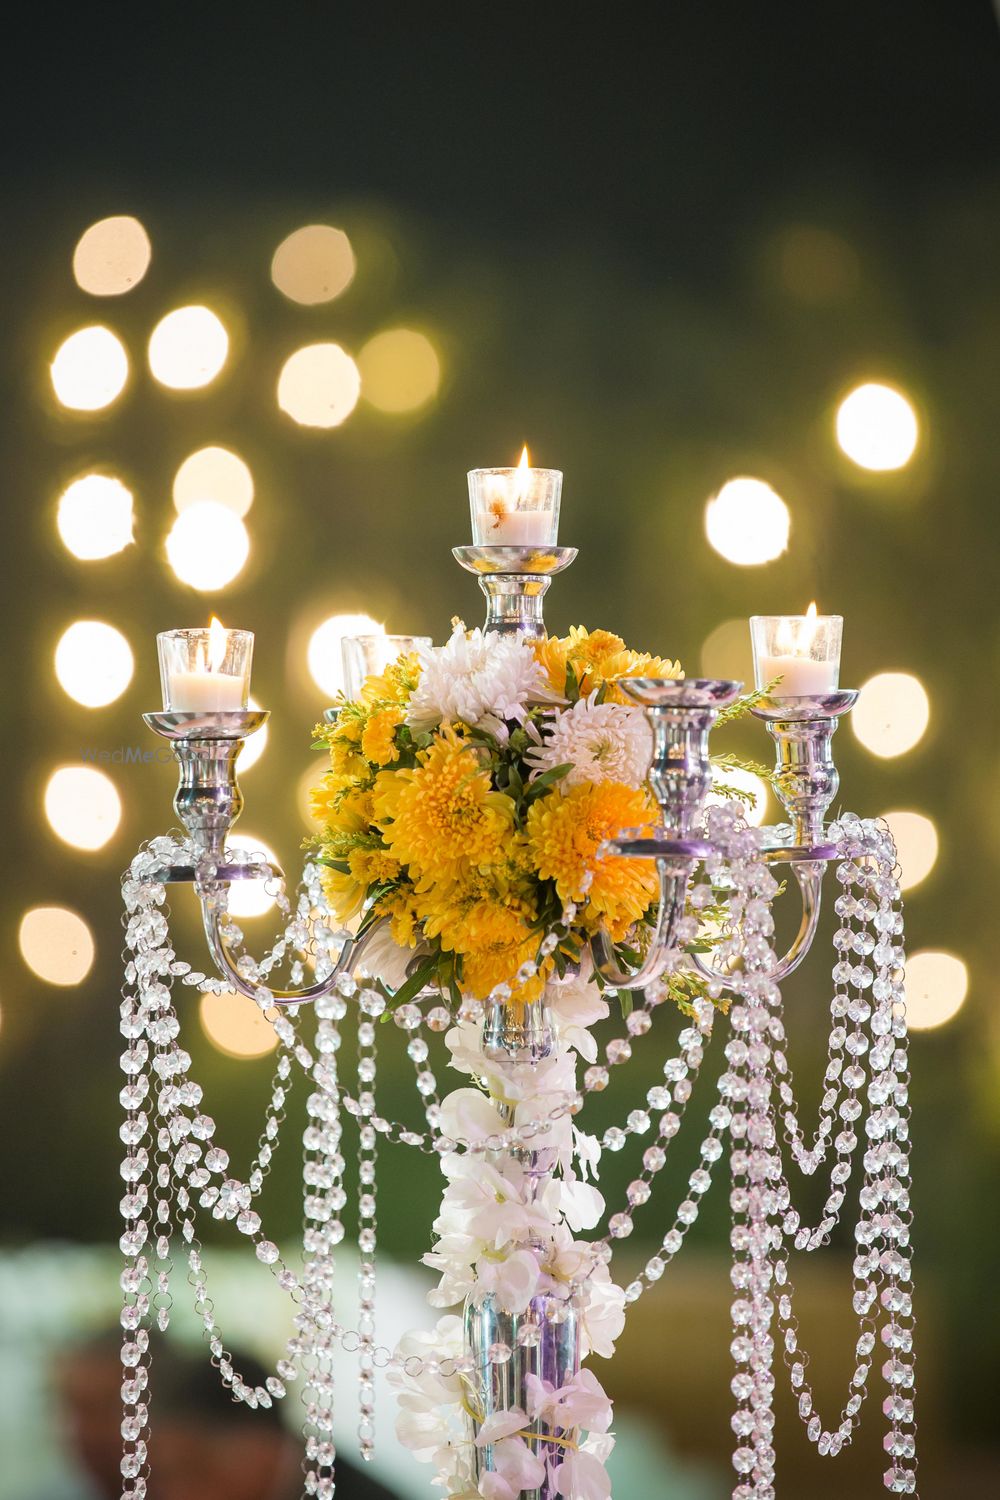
(274, 280)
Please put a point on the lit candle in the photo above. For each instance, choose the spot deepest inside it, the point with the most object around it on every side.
(515, 507)
(803, 650)
(203, 671)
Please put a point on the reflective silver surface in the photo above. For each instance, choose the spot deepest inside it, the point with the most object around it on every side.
(208, 799)
(498, 1387)
(515, 580)
(806, 778)
(681, 715)
(207, 724)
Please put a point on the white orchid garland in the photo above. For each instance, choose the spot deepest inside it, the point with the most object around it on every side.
(493, 1237)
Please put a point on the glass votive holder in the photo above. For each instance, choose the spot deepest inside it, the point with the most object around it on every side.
(516, 507)
(369, 655)
(803, 650)
(205, 669)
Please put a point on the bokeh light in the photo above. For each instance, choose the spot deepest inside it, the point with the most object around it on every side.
(90, 369)
(916, 844)
(747, 523)
(891, 713)
(254, 746)
(743, 781)
(726, 652)
(56, 944)
(400, 370)
(324, 655)
(314, 264)
(217, 474)
(236, 1025)
(95, 516)
(83, 806)
(207, 545)
(877, 427)
(112, 256)
(188, 348)
(94, 663)
(936, 987)
(250, 898)
(319, 385)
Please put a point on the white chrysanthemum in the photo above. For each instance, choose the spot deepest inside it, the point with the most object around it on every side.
(479, 679)
(601, 741)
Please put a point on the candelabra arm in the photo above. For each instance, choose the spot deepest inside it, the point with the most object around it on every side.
(810, 879)
(228, 964)
(673, 891)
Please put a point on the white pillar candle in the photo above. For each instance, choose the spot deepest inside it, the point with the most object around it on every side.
(501, 527)
(205, 691)
(802, 650)
(205, 671)
(800, 676)
(515, 507)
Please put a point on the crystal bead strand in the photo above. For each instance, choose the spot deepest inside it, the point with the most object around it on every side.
(753, 1168)
(323, 1230)
(136, 1174)
(372, 1005)
(677, 1071)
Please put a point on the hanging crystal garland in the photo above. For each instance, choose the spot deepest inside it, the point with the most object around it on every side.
(171, 1154)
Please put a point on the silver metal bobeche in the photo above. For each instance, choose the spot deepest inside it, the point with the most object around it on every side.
(515, 581)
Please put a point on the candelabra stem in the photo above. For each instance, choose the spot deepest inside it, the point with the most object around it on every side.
(515, 581)
(805, 775)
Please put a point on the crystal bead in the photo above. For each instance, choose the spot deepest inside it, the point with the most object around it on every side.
(620, 1225)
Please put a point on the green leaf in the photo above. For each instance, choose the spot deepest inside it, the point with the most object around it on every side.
(546, 780)
(412, 986)
(572, 683)
(625, 1001)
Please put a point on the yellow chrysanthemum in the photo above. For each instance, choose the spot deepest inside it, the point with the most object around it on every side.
(404, 918)
(395, 685)
(565, 831)
(347, 761)
(323, 797)
(553, 654)
(378, 742)
(491, 932)
(371, 865)
(635, 664)
(598, 657)
(442, 819)
(345, 894)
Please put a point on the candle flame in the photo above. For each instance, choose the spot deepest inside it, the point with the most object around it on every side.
(218, 638)
(807, 634)
(524, 462)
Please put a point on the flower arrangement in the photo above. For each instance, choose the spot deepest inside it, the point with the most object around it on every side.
(469, 792)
